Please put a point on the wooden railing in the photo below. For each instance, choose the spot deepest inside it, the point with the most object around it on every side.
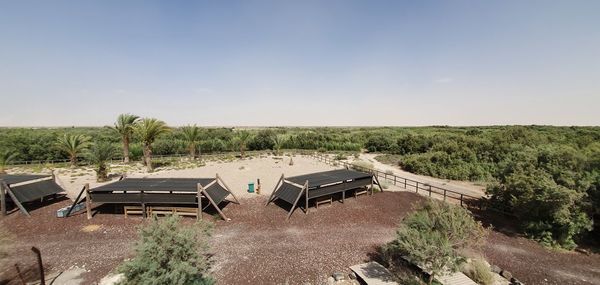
(406, 183)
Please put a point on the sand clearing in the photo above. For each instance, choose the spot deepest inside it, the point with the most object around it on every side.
(237, 174)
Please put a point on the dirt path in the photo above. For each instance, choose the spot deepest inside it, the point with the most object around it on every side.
(457, 186)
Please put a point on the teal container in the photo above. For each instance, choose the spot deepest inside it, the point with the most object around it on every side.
(251, 187)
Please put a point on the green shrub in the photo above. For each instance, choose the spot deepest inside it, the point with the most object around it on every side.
(170, 253)
(340, 156)
(432, 236)
(362, 165)
(479, 272)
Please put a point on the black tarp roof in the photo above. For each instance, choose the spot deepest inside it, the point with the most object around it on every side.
(33, 191)
(288, 192)
(19, 178)
(154, 184)
(328, 177)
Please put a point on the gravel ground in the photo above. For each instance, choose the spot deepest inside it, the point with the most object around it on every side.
(260, 247)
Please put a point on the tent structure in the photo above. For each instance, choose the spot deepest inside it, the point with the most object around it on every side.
(23, 188)
(315, 185)
(159, 191)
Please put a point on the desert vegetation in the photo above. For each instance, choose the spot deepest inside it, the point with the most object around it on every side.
(169, 252)
(433, 237)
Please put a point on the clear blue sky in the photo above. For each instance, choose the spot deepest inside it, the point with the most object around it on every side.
(300, 62)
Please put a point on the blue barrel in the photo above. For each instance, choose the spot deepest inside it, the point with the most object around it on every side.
(251, 187)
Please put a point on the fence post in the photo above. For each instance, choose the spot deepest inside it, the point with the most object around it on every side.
(417, 187)
(444, 195)
(404, 183)
(394, 180)
(429, 190)
(461, 200)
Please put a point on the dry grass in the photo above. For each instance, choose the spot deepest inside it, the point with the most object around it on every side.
(479, 271)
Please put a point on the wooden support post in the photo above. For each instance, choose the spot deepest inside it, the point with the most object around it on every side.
(75, 202)
(297, 199)
(429, 190)
(372, 179)
(14, 199)
(306, 195)
(199, 189)
(461, 200)
(444, 195)
(404, 183)
(417, 187)
(227, 188)
(378, 184)
(215, 205)
(274, 190)
(88, 201)
(2, 198)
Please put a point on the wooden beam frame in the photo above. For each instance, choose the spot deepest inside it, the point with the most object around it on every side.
(14, 199)
(88, 201)
(227, 188)
(306, 198)
(304, 188)
(215, 205)
(75, 202)
(2, 198)
(274, 190)
(378, 184)
(199, 189)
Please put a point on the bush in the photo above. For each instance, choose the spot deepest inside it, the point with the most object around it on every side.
(479, 272)
(379, 143)
(169, 253)
(432, 236)
(135, 152)
(362, 165)
(548, 212)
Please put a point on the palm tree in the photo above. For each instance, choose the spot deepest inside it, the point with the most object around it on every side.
(241, 140)
(278, 141)
(124, 127)
(147, 130)
(6, 158)
(99, 154)
(191, 135)
(73, 145)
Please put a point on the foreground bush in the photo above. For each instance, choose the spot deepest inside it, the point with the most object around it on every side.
(432, 237)
(170, 253)
(479, 272)
(547, 212)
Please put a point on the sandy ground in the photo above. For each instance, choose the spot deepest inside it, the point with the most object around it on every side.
(236, 174)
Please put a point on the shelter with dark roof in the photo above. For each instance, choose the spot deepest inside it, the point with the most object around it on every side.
(320, 184)
(160, 191)
(25, 188)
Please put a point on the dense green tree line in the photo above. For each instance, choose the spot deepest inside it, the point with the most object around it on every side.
(547, 176)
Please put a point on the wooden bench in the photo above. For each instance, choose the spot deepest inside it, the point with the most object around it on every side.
(186, 212)
(360, 191)
(179, 211)
(133, 210)
(164, 211)
(323, 200)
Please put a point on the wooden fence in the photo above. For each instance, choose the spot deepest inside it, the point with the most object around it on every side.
(406, 183)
